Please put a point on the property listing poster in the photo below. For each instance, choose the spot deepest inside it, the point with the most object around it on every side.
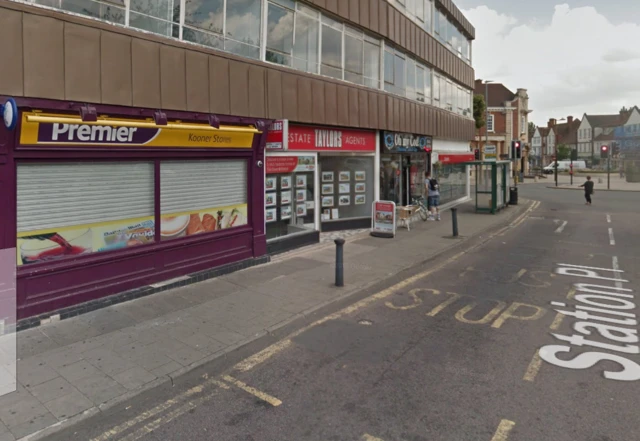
(177, 225)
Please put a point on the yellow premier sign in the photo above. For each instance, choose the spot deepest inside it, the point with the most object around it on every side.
(64, 130)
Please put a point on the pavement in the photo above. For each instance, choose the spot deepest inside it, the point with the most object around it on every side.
(82, 367)
(564, 182)
(457, 348)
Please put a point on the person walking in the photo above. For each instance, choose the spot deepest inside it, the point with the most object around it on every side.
(433, 197)
(588, 190)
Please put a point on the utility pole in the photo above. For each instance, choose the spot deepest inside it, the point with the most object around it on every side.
(609, 169)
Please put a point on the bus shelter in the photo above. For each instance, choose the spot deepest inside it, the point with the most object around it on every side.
(490, 184)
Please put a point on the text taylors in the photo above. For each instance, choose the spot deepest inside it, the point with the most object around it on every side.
(602, 311)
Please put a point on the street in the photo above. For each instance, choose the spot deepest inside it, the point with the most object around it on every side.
(463, 349)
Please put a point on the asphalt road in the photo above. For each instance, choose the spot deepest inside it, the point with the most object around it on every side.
(461, 352)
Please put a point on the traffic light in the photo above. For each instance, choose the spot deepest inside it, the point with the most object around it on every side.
(574, 155)
(516, 150)
(476, 154)
(604, 152)
(615, 149)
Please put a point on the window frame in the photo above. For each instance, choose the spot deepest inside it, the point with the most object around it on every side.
(490, 123)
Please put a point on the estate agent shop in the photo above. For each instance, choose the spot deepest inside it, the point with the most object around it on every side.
(317, 179)
(103, 200)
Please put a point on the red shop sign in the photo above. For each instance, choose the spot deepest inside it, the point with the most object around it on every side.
(330, 139)
(275, 135)
(456, 158)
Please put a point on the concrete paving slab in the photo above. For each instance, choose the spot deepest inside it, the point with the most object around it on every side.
(51, 389)
(135, 378)
(35, 424)
(69, 405)
(100, 388)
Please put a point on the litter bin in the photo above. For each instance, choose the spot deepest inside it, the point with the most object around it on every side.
(513, 195)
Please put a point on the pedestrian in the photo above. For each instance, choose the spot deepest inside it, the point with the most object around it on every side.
(433, 196)
(588, 190)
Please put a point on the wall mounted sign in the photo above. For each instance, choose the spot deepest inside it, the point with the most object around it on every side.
(276, 135)
(9, 112)
(395, 142)
(456, 158)
(67, 131)
(330, 139)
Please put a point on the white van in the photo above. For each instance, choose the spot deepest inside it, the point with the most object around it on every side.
(565, 166)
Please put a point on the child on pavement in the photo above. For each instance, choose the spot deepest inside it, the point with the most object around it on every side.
(588, 190)
(433, 197)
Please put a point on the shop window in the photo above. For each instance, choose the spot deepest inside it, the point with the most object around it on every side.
(202, 196)
(108, 10)
(452, 179)
(279, 35)
(346, 187)
(331, 48)
(157, 16)
(66, 210)
(290, 196)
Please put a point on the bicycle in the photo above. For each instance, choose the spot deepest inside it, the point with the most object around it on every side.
(422, 207)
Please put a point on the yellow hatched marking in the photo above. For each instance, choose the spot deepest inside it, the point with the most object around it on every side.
(503, 431)
(253, 391)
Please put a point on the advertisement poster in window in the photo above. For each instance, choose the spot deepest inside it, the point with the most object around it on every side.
(361, 176)
(271, 215)
(344, 188)
(301, 210)
(285, 212)
(202, 221)
(361, 188)
(289, 164)
(66, 242)
(327, 201)
(270, 200)
(327, 176)
(285, 182)
(344, 200)
(345, 176)
(301, 181)
(270, 183)
(361, 199)
(327, 188)
(301, 195)
(285, 197)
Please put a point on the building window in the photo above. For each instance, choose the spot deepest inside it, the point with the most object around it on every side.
(411, 79)
(279, 34)
(331, 48)
(394, 71)
(490, 127)
(449, 96)
(113, 11)
(160, 16)
(436, 90)
(353, 55)
(371, 62)
(306, 41)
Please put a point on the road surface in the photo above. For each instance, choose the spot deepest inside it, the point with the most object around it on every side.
(463, 350)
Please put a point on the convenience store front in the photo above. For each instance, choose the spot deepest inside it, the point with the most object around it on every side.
(318, 179)
(103, 204)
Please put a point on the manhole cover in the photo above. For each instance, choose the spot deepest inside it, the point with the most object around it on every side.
(365, 322)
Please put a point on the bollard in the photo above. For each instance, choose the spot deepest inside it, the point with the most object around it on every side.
(454, 221)
(339, 262)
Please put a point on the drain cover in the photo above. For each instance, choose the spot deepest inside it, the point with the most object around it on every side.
(365, 322)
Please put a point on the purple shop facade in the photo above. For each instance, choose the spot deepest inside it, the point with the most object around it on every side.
(52, 137)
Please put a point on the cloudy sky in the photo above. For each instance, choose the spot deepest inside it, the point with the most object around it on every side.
(574, 56)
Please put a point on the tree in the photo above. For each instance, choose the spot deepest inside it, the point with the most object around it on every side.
(479, 109)
(564, 152)
(532, 129)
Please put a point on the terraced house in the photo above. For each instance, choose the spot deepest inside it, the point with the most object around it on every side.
(149, 139)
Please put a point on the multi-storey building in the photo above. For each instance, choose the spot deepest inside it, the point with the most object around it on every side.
(158, 138)
(508, 119)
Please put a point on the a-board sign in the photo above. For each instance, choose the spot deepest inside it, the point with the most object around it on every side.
(383, 219)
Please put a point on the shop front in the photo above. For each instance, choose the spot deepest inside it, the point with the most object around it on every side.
(450, 169)
(403, 162)
(107, 202)
(317, 179)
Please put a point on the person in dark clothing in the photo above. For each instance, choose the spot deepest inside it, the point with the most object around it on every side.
(588, 190)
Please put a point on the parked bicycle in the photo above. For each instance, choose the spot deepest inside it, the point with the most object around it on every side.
(422, 207)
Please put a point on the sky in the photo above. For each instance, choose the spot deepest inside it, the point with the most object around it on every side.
(573, 57)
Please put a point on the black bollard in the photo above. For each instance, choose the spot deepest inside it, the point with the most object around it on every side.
(339, 262)
(454, 221)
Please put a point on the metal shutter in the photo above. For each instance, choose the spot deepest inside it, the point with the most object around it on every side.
(67, 194)
(199, 185)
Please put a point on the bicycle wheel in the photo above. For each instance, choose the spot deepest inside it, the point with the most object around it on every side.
(423, 213)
